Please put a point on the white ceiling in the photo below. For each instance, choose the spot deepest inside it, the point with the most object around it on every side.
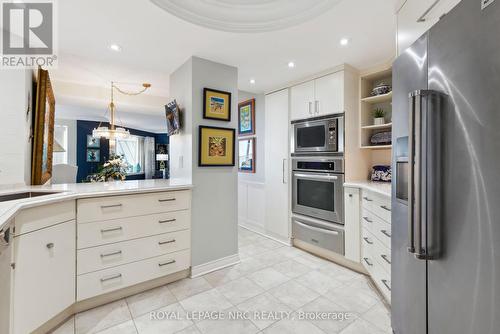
(155, 43)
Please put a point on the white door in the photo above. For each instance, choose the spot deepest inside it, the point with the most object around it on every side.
(329, 94)
(44, 275)
(302, 100)
(418, 16)
(276, 164)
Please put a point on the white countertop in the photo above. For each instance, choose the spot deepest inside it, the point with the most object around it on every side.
(80, 190)
(382, 188)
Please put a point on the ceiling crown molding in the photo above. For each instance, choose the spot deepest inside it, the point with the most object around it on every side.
(246, 16)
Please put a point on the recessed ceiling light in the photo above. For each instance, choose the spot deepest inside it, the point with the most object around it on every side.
(252, 81)
(344, 41)
(291, 64)
(115, 47)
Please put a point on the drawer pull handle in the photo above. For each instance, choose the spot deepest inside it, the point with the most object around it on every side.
(111, 206)
(367, 199)
(111, 254)
(166, 263)
(386, 283)
(166, 242)
(385, 233)
(113, 229)
(368, 241)
(350, 195)
(368, 262)
(386, 258)
(50, 245)
(167, 221)
(166, 200)
(109, 278)
(385, 208)
(368, 219)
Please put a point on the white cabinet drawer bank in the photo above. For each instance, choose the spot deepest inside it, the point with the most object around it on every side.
(372, 213)
(74, 251)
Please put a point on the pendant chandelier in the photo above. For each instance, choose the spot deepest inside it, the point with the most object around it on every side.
(113, 132)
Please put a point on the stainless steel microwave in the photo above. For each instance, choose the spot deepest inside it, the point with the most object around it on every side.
(319, 135)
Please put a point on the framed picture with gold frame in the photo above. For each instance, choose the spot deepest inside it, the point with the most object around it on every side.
(216, 105)
(216, 146)
(43, 130)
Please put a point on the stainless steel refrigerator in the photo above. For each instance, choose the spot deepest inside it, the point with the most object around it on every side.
(446, 185)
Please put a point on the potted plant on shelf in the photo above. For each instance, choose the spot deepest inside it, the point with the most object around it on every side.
(378, 116)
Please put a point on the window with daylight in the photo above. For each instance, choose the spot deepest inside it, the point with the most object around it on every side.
(60, 154)
(132, 149)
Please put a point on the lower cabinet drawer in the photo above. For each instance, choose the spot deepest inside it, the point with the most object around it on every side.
(116, 230)
(380, 205)
(380, 229)
(108, 280)
(383, 281)
(107, 256)
(327, 237)
(376, 259)
(114, 207)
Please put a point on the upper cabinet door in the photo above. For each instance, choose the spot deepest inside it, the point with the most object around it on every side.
(302, 101)
(329, 94)
(415, 17)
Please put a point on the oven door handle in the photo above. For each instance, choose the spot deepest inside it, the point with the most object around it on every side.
(317, 229)
(316, 177)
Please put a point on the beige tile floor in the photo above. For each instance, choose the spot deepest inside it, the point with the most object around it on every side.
(271, 277)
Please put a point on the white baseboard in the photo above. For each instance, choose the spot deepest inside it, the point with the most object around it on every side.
(208, 267)
(257, 229)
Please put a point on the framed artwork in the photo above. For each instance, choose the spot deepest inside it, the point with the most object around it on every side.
(43, 130)
(216, 146)
(93, 142)
(246, 157)
(93, 155)
(246, 117)
(216, 105)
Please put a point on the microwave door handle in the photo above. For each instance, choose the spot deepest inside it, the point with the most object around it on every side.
(316, 177)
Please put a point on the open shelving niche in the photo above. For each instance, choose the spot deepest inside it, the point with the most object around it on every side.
(380, 154)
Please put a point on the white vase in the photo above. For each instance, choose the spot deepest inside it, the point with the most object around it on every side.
(379, 121)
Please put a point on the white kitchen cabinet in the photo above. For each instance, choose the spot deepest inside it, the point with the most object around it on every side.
(44, 275)
(415, 17)
(352, 225)
(276, 164)
(302, 100)
(329, 94)
(376, 239)
(318, 97)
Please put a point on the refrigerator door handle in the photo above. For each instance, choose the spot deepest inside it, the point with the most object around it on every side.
(415, 192)
(411, 176)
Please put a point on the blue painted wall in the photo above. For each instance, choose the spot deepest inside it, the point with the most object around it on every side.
(85, 168)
